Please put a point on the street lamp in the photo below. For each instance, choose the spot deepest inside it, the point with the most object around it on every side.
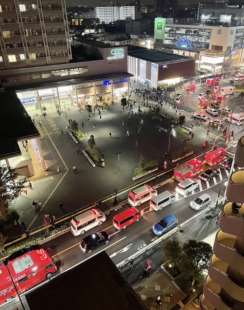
(172, 132)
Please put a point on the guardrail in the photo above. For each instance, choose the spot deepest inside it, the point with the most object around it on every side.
(146, 248)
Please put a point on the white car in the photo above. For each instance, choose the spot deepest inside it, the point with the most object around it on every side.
(200, 117)
(200, 202)
(212, 111)
(187, 187)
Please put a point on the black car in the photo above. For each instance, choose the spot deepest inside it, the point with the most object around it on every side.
(93, 241)
(208, 174)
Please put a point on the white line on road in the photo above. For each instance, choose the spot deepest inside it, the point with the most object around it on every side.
(96, 253)
(57, 185)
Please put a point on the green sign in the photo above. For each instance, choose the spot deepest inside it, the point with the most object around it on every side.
(159, 28)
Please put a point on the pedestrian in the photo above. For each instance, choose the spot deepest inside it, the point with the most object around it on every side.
(30, 185)
(127, 133)
(23, 227)
(159, 301)
(110, 134)
(74, 168)
(58, 169)
(61, 207)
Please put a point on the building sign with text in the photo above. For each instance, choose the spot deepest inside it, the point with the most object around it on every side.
(159, 28)
(116, 53)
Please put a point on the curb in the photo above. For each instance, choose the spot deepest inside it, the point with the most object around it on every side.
(139, 176)
(84, 152)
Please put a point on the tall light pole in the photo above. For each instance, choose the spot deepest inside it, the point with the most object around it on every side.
(172, 132)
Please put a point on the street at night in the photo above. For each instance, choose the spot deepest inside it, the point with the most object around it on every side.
(122, 155)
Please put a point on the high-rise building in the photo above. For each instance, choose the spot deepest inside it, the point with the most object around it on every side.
(110, 14)
(224, 288)
(33, 33)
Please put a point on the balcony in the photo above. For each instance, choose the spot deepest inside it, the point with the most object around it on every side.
(232, 220)
(217, 272)
(224, 248)
(212, 299)
(235, 188)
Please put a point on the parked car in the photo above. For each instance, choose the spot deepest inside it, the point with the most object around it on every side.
(186, 187)
(209, 174)
(167, 223)
(91, 242)
(200, 202)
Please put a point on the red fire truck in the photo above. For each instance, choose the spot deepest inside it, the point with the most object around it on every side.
(23, 271)
(190, 169)
(211, 82)
(215, 157)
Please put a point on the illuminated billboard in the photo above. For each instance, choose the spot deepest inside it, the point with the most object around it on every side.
(116, 53)
(159, 28)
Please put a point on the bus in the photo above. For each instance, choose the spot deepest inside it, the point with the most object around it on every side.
(24, 270)
(142, 194)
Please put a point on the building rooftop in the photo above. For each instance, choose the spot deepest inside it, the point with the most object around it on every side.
(95, 284)
(15, 124)
(154, 55)
(74, 81)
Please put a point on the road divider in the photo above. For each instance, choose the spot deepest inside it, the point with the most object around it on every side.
(88, 157)
(146, 248)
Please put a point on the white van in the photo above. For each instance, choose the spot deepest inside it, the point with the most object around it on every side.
(86, 221)
(187, 187)
(237, 118)
(162, 200)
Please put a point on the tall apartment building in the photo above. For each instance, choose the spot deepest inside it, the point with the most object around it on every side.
(33, 33)
(110, 14)
(224, 288)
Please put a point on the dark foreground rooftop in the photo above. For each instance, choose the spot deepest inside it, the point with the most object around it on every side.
(93, 285)
(154, 55)
(15, 124)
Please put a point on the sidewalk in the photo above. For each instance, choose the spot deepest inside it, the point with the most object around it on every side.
(159, 284)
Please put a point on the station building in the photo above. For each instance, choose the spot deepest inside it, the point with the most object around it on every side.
(100, 81)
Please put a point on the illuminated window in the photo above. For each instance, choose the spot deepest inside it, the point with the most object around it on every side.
(22, 7)
(34, 6)
(22, 56)
(32, 56)
(6, 34)
(1, 58)
(12, 58)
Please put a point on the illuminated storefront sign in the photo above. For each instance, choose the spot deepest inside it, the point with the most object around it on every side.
(159, 28)
(116, 53)
(107, 83)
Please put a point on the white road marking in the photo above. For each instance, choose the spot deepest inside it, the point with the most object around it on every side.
(59, 182)
(94, 254)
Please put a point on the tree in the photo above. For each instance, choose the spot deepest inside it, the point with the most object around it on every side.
(173, 251)
(199, 253)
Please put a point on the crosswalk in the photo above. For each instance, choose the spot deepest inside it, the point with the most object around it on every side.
(206, 184)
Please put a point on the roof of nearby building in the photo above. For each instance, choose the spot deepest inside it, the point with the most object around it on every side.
(74, 81)
(95, 284)
(154, 55)
(15, 124)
